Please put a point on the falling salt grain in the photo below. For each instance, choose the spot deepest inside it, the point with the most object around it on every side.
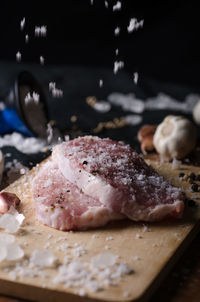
(41, 60)
(117, 6)
(40, 31)
(18, 56)
(134, 24)
(42, 258)
(100, 83)
(26, 38)
(22, 23)
(117, 66)
(135, 77)
(106, 4)
(117, 31)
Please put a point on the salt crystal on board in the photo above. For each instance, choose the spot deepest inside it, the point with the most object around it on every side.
(103, 260)
(6, 238)
(42, 258)
(14, 252)
(11, 223)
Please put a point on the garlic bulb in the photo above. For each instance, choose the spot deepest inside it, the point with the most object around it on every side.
(175, 137)
(196, 113)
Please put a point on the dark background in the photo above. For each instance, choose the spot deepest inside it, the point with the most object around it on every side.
(79, 33)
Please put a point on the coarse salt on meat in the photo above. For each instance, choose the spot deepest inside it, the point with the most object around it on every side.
(62, 205)
(113, 173)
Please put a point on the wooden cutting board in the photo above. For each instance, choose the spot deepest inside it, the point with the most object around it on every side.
(150, 249)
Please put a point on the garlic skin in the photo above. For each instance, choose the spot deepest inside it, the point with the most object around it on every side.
(175, 137)
(196, 113)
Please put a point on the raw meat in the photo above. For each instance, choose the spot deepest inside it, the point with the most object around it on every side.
(7, 200)
(62, 205)
(119, 178)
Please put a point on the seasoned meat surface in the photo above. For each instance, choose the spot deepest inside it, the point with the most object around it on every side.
(115, 175)
(62, 205)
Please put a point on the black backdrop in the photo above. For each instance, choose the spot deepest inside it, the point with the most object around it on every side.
(80, 33)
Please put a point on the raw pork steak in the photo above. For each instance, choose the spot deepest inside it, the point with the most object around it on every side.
(62, 205)
(118, 177)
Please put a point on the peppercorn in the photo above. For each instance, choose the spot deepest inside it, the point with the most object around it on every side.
(194, 187)
(191, 203)
(181, 175)
(192, 176)
(198, 177)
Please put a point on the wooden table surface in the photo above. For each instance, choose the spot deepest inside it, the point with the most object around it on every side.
(181, 285)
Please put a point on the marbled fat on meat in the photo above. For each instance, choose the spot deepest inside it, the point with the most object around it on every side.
(115, 175)
(62, 205)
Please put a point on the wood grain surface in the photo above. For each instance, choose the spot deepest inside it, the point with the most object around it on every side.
(158, 249)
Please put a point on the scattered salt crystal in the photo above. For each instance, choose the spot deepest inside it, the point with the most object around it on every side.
(102, 106)
(128, 102)
(9, 222)
(126, 294)
(42, 258)
(93, 286)
(107, 247)
(103, 260)
(136, 258)
(133, 119)
(23, 144)
(134, 24)
(117, 6)
(135, 77)
(117, 66)
(109, 238)
(117, 31)
(95, 236)
(100, 83)
(22, 23)
(18, 56)
(14, 252)
(138, 236)
(146, 228)
(41, 60)
(176, 164)
(6, 238)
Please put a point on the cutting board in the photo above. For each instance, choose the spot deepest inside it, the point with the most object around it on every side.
(150, 249)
